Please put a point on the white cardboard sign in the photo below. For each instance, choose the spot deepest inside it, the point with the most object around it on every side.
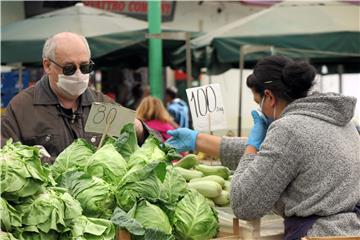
(102, 114)
(207, 109)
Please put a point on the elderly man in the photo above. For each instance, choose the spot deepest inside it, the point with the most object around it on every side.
(54, 111)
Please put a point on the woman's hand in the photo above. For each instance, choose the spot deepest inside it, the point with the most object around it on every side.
(258, 132)
(183, 139)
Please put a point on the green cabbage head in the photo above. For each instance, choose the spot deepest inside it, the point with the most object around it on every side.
(194, 218)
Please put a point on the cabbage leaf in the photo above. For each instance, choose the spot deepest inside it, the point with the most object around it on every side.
(94, 194)
(84, 228)
(126, 221)
(49, 211)
(126, 144)
(108, 164)
(148, 152)
(151, 216)
(7, 236)
(22, 173)
(9, 216)
(194, 218)
(74, 156)
(174, 186)
(141, 183)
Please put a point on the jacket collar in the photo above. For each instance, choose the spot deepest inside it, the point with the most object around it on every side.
(43, 95)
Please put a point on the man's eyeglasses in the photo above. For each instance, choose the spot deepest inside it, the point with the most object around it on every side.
(70, 69)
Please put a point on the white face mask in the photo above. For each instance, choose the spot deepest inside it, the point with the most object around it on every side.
(267, 119)
(74, 85)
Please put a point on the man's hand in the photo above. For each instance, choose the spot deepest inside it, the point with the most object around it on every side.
(258, 132)
(44, 155)
(183, 139)
(139, 129)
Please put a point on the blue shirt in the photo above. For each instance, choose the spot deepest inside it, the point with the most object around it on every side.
(179, 110)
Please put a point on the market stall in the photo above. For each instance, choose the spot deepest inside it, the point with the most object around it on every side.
(118, 191)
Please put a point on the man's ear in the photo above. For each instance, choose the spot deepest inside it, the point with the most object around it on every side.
(46, 65)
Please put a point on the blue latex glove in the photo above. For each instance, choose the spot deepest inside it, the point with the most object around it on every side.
(183, 139)
(258, 132)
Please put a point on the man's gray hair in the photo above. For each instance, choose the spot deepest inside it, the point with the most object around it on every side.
(50, 46)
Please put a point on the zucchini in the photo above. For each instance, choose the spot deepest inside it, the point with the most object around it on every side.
(227, 186)
(207, 188)
(222, 199)
(189, 174)
(214, 178)
(187, 162)
(210, 201)
(221, 171)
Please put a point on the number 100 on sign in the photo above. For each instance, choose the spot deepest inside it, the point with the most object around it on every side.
(206, 107)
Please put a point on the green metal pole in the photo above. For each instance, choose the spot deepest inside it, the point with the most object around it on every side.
(155, 49)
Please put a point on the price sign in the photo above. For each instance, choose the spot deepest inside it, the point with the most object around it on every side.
(108, 114)
(207, 109)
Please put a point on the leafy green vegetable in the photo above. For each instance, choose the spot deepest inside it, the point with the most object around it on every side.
(9, 216)
(141, 183)
(7, 236)
(74, 156)
(142, 172)
(139, 231)
(22, 174)
(126, 144)
(48, 211)
(149, 188)
(174, 186)
(84, 228)
(151, 234)
(151, 216)
(31, 234)
(107, 164)
(149, 151)
(126, 221)
(94, 194)
(170, 151)
(194, 218)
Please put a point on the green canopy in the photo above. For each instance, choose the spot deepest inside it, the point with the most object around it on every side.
(113, 38)
(22, 41)
(326, 32)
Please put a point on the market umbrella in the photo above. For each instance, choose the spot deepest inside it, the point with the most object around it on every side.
(22, 41)
(325, 32)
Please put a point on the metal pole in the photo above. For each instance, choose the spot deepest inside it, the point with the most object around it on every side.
(155, 49)
(188, 60)
(207, 56)
(241, 66)
(340, 69)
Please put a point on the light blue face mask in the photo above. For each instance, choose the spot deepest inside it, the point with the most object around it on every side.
(267, 119)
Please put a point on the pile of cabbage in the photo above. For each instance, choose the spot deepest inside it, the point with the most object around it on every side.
(32, 206)
(87, 193)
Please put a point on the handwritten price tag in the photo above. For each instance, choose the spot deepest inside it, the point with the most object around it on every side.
(207, 109)
(102, 114)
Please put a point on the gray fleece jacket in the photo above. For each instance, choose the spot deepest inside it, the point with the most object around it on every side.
(309, 163)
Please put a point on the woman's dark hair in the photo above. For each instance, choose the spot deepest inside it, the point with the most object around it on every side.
(286, 78)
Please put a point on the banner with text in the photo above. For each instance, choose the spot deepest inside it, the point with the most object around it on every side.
(137, 9)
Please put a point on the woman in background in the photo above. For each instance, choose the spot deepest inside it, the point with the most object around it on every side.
(152, 111)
